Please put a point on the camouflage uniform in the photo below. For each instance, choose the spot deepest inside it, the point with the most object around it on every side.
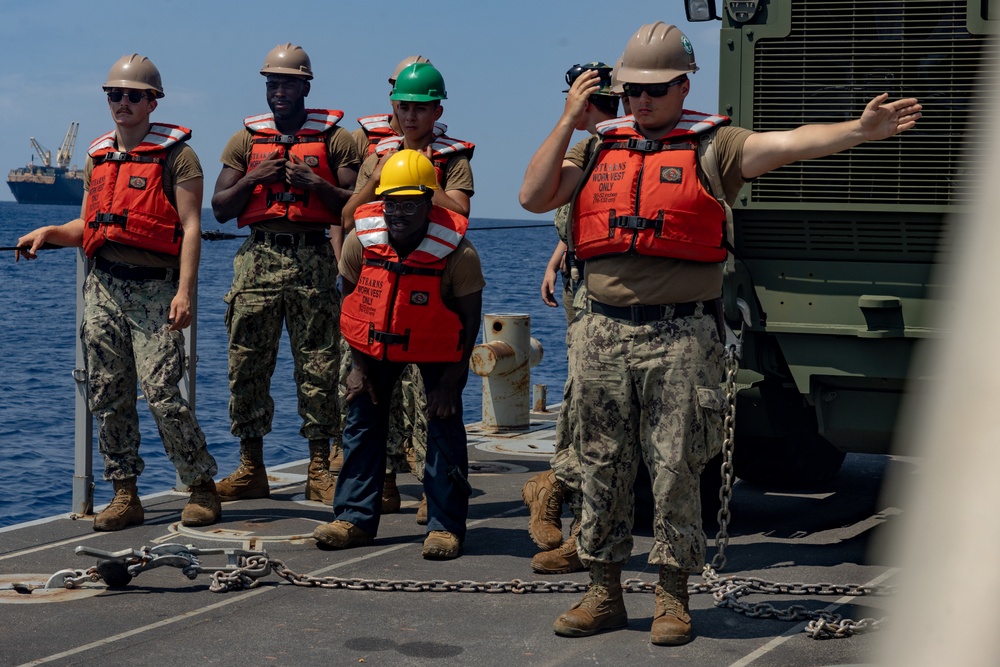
(565, 462)
(126, 341)
(294, 284)
(653, 390)
(408, 423)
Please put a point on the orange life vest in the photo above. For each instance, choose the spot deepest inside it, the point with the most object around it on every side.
(126, 203)
(280, 200)
(645, 195)
(378, 127)
(396, 311)
(443, 148)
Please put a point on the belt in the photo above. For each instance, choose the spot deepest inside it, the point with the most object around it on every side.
(640, 314)
(130, 272)
(289, 239)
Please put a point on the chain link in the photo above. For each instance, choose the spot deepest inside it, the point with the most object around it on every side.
(249, 568)
(725, 591)
(732, 367)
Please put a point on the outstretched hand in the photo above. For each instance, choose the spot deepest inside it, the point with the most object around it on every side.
(881, 121)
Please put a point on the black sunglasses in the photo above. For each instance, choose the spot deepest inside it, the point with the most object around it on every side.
(405, 207)
(651, 89)
(134, 96)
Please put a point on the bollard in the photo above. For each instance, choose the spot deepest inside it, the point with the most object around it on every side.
(539, 398)
(504, 361)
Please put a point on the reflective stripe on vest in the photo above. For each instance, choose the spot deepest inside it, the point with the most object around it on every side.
(279, 200)
(125, 201)
(645, 195)
(396, 311)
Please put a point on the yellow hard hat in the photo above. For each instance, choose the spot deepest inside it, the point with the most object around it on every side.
(137, 72)
(407, 172)
(288, 59)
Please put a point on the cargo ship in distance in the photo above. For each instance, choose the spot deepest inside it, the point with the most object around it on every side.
(47, 183)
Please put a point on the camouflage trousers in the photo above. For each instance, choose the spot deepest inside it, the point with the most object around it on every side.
(407, 418)
(294, 286)
(650, 390)
(126, 343)
(565, 461)
(407, 424)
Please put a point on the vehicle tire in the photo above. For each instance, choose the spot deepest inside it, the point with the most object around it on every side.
(797, 461)
(777, 442)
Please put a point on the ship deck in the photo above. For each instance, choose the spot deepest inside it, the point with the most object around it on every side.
(161, 617)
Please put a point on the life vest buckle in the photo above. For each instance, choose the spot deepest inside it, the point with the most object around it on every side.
(633, 222)
(643, 145)
(387, 338)
(109, 219)
(286, 198)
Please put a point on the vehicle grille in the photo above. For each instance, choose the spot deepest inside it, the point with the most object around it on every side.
(839, 55)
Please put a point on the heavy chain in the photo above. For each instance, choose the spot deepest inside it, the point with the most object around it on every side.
(732, 367)
(726, 591)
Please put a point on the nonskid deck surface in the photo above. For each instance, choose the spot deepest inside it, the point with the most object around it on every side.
(161, 617)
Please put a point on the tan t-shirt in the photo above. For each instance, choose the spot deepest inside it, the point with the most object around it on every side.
(456, 174)
(340, 148)
(629, 279)
(463, 272)
(362, 141)
(181, 164)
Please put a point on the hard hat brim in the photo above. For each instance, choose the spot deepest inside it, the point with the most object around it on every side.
(134, 85)
(636, 75)
(286, 71)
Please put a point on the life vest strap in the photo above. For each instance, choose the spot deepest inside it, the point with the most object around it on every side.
(403, 269)
(289, 139)
(109, 219)
(120, 156)
(287, 198)
(387, 338)
(634, 222)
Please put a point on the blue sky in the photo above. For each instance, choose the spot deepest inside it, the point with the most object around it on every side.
(503, 65)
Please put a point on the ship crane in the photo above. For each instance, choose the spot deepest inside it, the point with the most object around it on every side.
(65, 153)
(43, 152)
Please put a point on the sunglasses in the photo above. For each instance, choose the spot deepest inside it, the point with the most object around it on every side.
(651, 89)
(134, 96)
(405, 207)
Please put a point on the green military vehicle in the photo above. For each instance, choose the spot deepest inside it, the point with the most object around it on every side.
(835, 257)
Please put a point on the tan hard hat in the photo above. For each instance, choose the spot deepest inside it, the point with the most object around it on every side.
(404, 63)
(656, 53)
(288, 59)
(137, 72)
(616, 84)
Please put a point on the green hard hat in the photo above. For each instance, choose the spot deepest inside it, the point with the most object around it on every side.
(419, 82)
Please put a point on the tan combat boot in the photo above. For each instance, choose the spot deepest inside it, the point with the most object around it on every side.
(320, 482)
(123, 510)
(336, 459)
(543, 494)
(602, 606)
(672, 618)
(204, 507)
(563, 560)
(390, 494)
(249, 480)
(422, 510)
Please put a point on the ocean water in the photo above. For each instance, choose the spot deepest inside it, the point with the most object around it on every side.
(37, 358)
